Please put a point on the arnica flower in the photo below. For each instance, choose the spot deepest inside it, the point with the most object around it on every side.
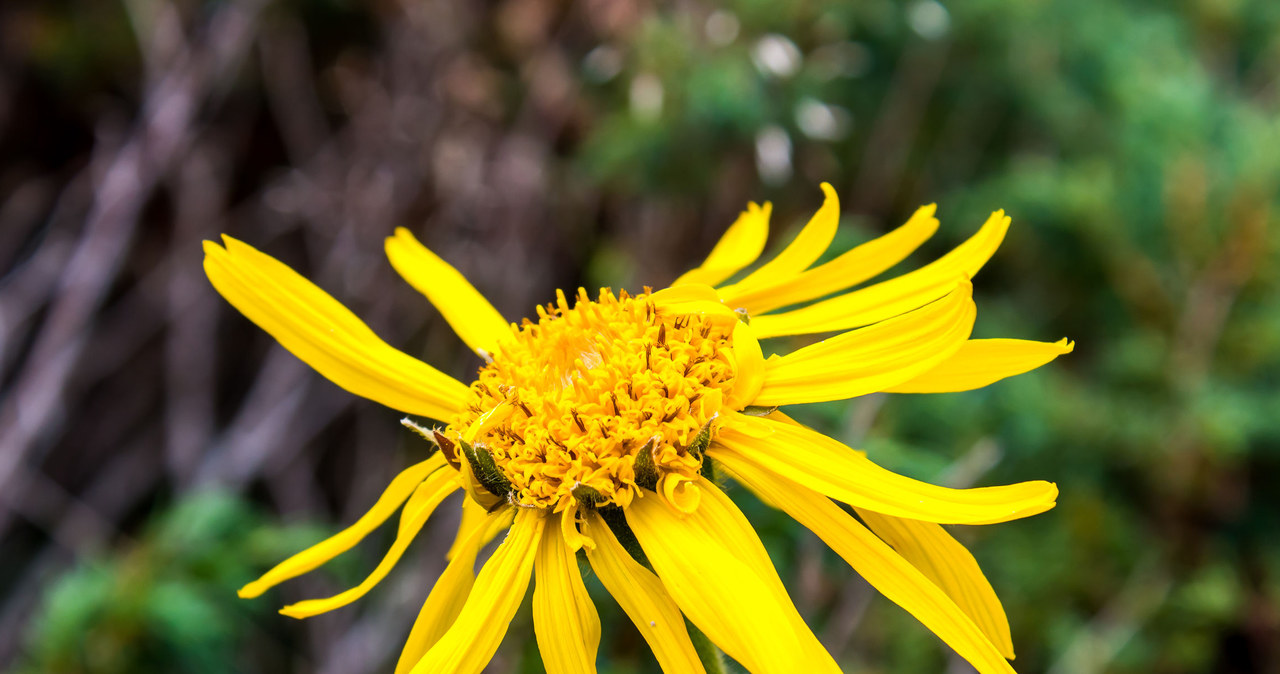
(607, 425)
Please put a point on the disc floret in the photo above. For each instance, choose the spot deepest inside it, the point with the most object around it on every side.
(594, 402)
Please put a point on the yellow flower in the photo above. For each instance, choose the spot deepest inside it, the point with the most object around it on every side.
(599, 426)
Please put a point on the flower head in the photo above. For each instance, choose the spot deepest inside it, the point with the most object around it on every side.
(599, 400)
(599, 425)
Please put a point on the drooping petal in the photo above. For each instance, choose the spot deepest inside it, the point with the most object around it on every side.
(325, 335)
(644, 599)
(873, 358)
(723, 589)
(451, 590)
(470, 315)
(943, 560)
(748, 378)
(849, 269)
(884, 569)
(893, 297)
(727, 523)
(828, 467)
(569, 533)
(425, 498)
(395, 494)
(808, 246)
(979, 362)
(564, 619)
(473, 516)
(474, 636)
(739, 247)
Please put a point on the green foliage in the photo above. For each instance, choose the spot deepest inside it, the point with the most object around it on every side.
(166, 603)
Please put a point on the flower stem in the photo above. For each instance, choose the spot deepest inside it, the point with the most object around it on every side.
(710, 656)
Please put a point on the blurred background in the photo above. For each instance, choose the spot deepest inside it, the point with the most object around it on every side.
(157, 450)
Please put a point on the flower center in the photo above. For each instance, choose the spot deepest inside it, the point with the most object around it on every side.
(597, 400)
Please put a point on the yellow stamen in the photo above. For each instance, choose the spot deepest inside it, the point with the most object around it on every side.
(567, 408)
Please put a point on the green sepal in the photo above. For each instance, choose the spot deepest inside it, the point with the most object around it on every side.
(699, 445)
(645, 469)
(708, 469)
(486, 470)
(586, 495)
(616, 519)
(759, 411)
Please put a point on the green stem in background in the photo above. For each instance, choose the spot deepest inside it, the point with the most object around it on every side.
(710, 656)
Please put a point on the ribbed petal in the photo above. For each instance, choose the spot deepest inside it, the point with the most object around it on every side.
(425, 498)
(828, 467)
(395, 494)
(468, 312)
(564, 619)
(474, 637)
(325, 335)
(849, 269)
(873, 358)
(943, 560)
(739, 247)
(979, 362)
(644, 599)
(884, 569)
(711, 567)
(451, 590)
(890, 298)
(807, 247)
(473, 516)
(748, 378)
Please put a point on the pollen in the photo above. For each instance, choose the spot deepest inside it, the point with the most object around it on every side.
(596, 403)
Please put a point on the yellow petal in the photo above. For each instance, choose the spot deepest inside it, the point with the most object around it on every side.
(451, 590)
(983, 361)
(474, 637)
(473, 516)
(644, 599)
(470, 315)
(564, 619)
(425, 498)
(325, 335)
(849, 269)
(943, 560)
(889, 298)
(873, 358)
(748, 379)
(828, 467)
(739, 247)
(808, 246)
(883, 568)
(694, 298)
(395, 494)
(572, 537)
(711, 566)
(721, 516)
